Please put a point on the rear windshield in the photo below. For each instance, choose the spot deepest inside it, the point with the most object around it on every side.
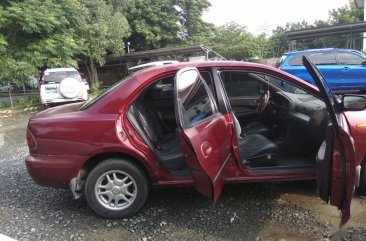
(57, 77)
(102, 94)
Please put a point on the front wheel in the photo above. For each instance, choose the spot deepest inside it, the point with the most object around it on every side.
(116, 188)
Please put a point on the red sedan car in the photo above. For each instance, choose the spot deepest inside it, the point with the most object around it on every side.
(203, 124)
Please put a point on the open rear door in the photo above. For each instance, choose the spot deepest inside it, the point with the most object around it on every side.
(336, 166)
(205, 135)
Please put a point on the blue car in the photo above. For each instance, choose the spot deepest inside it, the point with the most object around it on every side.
(343, 69)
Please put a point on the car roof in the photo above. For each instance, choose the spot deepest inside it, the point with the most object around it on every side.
(156, 63)
(320, 50)
(202, 64)
(144, 77)
(60, 69)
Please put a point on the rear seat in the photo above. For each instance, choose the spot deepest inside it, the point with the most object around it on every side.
(167, 148)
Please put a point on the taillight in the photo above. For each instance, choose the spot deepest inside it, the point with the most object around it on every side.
(32, 143)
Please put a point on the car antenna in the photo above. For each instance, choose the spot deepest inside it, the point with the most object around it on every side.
(207, 50)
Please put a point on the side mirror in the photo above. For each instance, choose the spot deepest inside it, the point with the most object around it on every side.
(363, 63)
(353, 102)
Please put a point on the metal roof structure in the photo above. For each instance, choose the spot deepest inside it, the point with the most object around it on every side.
(360, 3)
(327, 31)
(157, 53)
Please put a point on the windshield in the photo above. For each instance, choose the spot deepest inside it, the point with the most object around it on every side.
(102, 94)
(281, 84)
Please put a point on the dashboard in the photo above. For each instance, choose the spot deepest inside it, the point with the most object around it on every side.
(301, 109)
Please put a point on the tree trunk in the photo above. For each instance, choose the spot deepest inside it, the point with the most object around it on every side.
(92, 71)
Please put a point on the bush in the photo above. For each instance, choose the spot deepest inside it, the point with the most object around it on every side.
(28, 101)
(95, 88)
(3, 105)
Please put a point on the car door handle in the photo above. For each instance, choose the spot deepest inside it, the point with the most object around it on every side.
(206, 149)
(346, 68)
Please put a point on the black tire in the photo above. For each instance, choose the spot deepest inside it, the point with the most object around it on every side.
(362, 186)
(102, 173)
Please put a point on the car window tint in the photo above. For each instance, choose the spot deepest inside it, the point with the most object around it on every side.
(323, 58)
(296, 60)
(240, 84)
(198, 106)
(164, 88)
(350, 59)
(57, 77)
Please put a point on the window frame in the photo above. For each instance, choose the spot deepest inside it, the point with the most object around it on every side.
(182, 112)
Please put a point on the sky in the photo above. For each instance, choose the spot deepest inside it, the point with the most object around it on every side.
(265, 15)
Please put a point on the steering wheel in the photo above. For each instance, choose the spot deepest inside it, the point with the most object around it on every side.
(263, 101)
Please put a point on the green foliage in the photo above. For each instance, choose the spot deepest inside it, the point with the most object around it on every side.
(36, 33)
(28, 101)
(95, 89)
(3, 105)
(103, 28)
(234, 42)
(343, 15)
(164, 23)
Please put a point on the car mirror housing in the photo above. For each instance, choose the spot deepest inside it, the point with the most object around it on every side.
(353, 102)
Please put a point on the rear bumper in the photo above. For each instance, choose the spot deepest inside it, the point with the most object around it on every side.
(54, 171)
(63, 100)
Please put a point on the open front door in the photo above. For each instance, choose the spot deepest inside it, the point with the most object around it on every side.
(205, 135)
(336, 166)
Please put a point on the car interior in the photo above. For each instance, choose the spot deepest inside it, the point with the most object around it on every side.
(283, 130)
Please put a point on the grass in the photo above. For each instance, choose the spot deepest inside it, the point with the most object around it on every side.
(23, 102)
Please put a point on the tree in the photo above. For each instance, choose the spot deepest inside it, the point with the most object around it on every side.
(154, 24)
(234, 42)
(103, 28)
(166, 23)
(36, 33)
(344, 15)
(189, 13)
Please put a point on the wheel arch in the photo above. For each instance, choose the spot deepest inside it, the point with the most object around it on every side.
(95, 160)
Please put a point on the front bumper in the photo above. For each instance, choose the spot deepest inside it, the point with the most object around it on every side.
(54, 171)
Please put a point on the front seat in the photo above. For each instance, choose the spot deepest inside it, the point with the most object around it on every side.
(254, 145)
(256, 127)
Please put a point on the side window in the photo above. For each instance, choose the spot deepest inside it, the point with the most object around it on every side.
(350, 59)
(296, 60)
(197, 105)
(323, 58)
(241, 84)
(163, 89)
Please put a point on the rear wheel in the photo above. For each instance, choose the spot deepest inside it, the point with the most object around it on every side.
(362, 186)
(116, 188)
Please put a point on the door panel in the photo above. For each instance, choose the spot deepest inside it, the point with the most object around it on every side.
(343, 171)
(207, 152)
(205, 135)
(353, 70)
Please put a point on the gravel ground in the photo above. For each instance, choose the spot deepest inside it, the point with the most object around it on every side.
(259, 212)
